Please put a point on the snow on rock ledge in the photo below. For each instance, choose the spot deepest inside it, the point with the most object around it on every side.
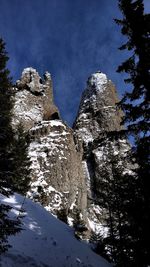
(97, 112)
(57, 176)
(97, 116)
(33, 99)
(56, 169)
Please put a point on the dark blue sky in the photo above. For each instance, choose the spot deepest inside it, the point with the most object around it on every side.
(69, 38)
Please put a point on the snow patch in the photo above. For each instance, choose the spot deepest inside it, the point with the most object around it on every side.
(98, 80)
(28, 70)
(47, 75)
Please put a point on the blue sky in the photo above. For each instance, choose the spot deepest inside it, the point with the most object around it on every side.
(69, 38)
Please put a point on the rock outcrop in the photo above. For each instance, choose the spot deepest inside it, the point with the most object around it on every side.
(97, 112)
(68, 164)
(57, 177)
(98, 116)
(33, 99)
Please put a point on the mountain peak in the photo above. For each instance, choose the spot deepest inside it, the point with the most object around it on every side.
(98, 112)
(98, 80)
(33, 99)
(31, 80)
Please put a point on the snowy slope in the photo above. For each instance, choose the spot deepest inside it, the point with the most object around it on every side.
(46, 241)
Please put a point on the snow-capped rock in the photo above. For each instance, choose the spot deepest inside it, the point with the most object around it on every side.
(98, 115)
(97, 112)
(33, 100)
(67, 164)
(57, 176)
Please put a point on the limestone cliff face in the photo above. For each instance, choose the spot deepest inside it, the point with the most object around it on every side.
(56, 171)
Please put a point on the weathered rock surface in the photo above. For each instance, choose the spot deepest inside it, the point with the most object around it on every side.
(68, 165)
(97, 112)
(33, 99)
(98, 115)
(56, 170)
(57, 177)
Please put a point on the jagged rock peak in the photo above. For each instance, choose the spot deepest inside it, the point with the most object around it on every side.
(98, 112)
(96, 85)
(56, 171)
(102, 157)
(33, 99)
(30, 79)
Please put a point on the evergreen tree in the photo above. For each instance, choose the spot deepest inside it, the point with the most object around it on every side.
(119, 239)
(98, 245)
(21, 161)
(8, 225)
(116, 196)
(135, 104)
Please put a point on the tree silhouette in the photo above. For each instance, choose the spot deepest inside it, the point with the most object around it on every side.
(135, 25)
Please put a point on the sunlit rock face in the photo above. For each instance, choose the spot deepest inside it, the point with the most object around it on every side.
(33, 99)
(97, 117)
(97, 112)
(56, 169)
(67, 164)
(57, 176)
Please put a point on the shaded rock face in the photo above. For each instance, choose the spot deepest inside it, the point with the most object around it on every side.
(33, 99)
(98, 116)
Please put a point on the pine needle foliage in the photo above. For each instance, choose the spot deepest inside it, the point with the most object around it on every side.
(8, 225)
(135, 25)
(21, 161)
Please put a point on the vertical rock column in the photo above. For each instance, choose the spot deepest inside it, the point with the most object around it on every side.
(56, 169)
(98, 116)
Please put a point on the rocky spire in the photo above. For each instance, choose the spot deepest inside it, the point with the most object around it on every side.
(97, 112)
(56, 169)
(97, 116)
(30, 80)
(67, 164)
(34, 99)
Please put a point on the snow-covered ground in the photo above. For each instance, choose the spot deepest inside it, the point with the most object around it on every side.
(45, 241)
